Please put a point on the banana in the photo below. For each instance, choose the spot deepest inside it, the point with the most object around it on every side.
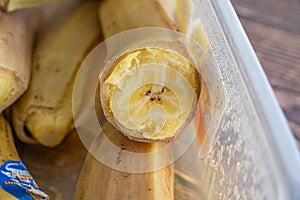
(149, 94)
(16, 46)
(15, 181)
(44, 113)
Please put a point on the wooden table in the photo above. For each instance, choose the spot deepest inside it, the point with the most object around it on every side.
(273, 27)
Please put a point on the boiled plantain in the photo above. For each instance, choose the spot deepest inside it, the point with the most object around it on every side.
(44, 113)
(149, 94)
(16, 47)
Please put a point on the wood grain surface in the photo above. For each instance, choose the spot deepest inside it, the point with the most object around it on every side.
(273, 27)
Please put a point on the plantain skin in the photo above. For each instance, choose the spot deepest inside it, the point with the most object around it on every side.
(17, 33)
(8, 153)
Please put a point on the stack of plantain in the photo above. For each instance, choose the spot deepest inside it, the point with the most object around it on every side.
(24, 49)
(17, 33)
(38, 67)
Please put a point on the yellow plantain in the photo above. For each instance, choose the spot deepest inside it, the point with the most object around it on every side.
(103, 182)
(97, 179)
(7, 150)
(118, 16)
(162, 96)
(11, 5)
(15, 181)
(16, 46)
(44, 113)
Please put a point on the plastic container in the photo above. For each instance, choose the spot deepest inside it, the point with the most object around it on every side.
(250, 154)
(255, 155)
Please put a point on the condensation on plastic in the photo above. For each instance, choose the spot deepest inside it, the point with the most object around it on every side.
(242, 164)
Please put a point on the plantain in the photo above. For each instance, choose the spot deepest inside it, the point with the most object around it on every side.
(15, 181)
(16, 46)
(149, 94)
(12, 5)
(7, 150)
(44, 113)
(105, 182)
(112, 15)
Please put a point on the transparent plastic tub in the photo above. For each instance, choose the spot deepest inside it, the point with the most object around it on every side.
(249, 153)
(246, 150)
(253, 154)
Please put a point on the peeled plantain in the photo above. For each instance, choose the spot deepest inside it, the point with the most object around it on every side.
(16, 46)
(105, 183)
(44, 113)
(15, 180)
(149, 94)
(98, 179)
(11, 5)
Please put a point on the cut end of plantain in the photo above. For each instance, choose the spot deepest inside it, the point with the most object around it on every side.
(150, 94)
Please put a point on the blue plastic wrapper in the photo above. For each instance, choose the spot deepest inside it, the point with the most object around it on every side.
(16, 180)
